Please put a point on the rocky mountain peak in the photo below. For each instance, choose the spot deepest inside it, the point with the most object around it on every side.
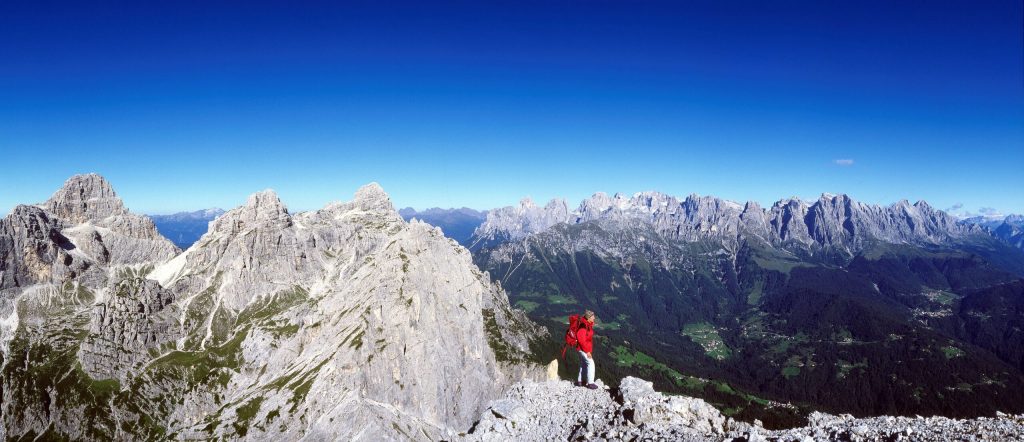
(372, 198)
(84, 198)
(842, 197)
(902, 204)
(266, 200)
(92, 217)
(262, 208)
(597, 203)
(792, 202)
(91, 185)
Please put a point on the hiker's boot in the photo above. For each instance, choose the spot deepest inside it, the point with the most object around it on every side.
(592, 386)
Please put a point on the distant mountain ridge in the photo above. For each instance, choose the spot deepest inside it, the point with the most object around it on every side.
(1008, 228)
(515, 222)
(457, 224)
(185, 228)
(832, 224)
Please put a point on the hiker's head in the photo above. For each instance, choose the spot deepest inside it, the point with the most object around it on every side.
(589, 315)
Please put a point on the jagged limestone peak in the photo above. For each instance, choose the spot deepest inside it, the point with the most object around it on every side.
(262, 208)
(373, 198)
(83, 198)
(96, 221)
(266, 201)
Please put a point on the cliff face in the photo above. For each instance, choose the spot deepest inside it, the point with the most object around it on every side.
(346, 322)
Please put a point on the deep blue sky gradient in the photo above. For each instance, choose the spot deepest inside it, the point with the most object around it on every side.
(479, 103)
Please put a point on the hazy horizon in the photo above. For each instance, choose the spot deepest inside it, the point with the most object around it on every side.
(960, 210)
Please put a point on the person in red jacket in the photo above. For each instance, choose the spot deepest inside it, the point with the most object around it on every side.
(585, 337)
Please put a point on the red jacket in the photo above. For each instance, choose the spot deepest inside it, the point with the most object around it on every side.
(585, 336)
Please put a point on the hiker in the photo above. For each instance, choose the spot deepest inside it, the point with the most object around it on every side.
(585, 339)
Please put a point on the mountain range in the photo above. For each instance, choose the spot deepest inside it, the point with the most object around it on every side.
(357, 321)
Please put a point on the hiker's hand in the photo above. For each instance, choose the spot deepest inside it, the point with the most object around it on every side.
(590, 355)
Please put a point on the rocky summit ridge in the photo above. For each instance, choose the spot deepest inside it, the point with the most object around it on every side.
(634, 411)
(346, 322)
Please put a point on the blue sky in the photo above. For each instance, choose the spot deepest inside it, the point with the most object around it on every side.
(191, 105)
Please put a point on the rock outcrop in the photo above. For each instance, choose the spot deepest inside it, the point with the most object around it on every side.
(33, 250)
(558, 410)
(122, 331)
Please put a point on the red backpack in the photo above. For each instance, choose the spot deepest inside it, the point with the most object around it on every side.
(570, 333)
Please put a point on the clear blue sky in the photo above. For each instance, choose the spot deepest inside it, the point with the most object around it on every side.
(479, 103)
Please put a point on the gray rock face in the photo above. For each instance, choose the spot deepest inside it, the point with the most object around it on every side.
(32, 249)
(85, 198)
(123, 331)
(841, 223)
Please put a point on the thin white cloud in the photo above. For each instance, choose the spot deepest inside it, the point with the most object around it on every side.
(843, 162)
(989, 211)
